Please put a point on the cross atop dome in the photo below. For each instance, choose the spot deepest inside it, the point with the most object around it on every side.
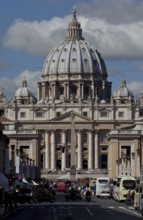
(74, 19)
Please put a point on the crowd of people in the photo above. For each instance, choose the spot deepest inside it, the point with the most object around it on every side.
(8, 198)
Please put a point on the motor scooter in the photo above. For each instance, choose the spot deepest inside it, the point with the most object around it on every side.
(67, 197)
(88, 198)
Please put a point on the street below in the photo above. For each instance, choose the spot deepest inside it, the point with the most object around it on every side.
(98, 209)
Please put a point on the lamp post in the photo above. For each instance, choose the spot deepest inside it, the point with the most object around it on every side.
(27, 166)
(33, 169)
(30, 172)
(12, 159)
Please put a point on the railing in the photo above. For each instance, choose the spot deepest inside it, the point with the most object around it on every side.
(59, 172)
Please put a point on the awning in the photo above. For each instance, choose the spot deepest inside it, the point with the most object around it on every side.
(4, 183)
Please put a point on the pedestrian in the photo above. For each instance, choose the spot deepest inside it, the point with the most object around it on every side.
(1, 195)
(6, 201)
(136, 199)
(34, 193)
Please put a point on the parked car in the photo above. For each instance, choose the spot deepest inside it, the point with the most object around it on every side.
(44, 195)
(24, 195)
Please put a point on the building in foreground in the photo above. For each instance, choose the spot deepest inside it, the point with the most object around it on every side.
(75, 119)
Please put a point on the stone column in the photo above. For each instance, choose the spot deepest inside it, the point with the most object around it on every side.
(17, 160)
(38, 92)
(82, 90)
(138, 163)
(93, 93)
(90, 150)
(133, 163)
(79, 165)
(67, 91)
(47, 150)
(63, 150)
(43, 90)
(53, 151)
(96, 151)
(73, 153)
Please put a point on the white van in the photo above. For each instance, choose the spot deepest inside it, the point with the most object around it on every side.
(123, 186)
(101, 184)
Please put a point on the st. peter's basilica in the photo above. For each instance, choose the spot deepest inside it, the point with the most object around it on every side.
(75, 120)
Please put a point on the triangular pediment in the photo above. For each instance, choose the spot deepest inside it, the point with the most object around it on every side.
(69, 115)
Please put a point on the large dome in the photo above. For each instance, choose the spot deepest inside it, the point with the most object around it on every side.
(74, 71)
(75, 55)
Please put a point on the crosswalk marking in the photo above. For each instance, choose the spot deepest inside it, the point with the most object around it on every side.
(111, 207)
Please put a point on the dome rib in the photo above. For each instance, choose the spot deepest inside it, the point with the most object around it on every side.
(89, 56)
(80, 57)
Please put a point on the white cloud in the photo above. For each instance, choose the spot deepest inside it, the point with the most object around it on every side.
(36, 38)
(135, 87)
(116, 41)
(114, 12)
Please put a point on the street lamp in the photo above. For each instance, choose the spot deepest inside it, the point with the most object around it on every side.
(12, 159)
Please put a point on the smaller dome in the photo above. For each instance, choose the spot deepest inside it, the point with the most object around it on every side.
(41, 101)
(24, 91)
(123, 91)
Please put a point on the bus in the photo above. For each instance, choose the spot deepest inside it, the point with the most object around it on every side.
(123, 186)
(101, 184)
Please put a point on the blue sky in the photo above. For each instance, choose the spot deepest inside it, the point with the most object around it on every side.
(29, 29)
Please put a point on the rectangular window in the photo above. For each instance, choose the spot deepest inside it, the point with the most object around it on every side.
(141, 113)
(39, 114)
(22, 114)
(103, 114)
(85, 114)
(58, 114)
(104, 148)
(121, 114)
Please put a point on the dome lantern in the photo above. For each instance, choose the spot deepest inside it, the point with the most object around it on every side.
(74, 30)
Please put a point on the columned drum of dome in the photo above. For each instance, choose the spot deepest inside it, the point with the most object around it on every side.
(74, 68)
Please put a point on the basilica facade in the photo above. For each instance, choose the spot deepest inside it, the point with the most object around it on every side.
(75, 120)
